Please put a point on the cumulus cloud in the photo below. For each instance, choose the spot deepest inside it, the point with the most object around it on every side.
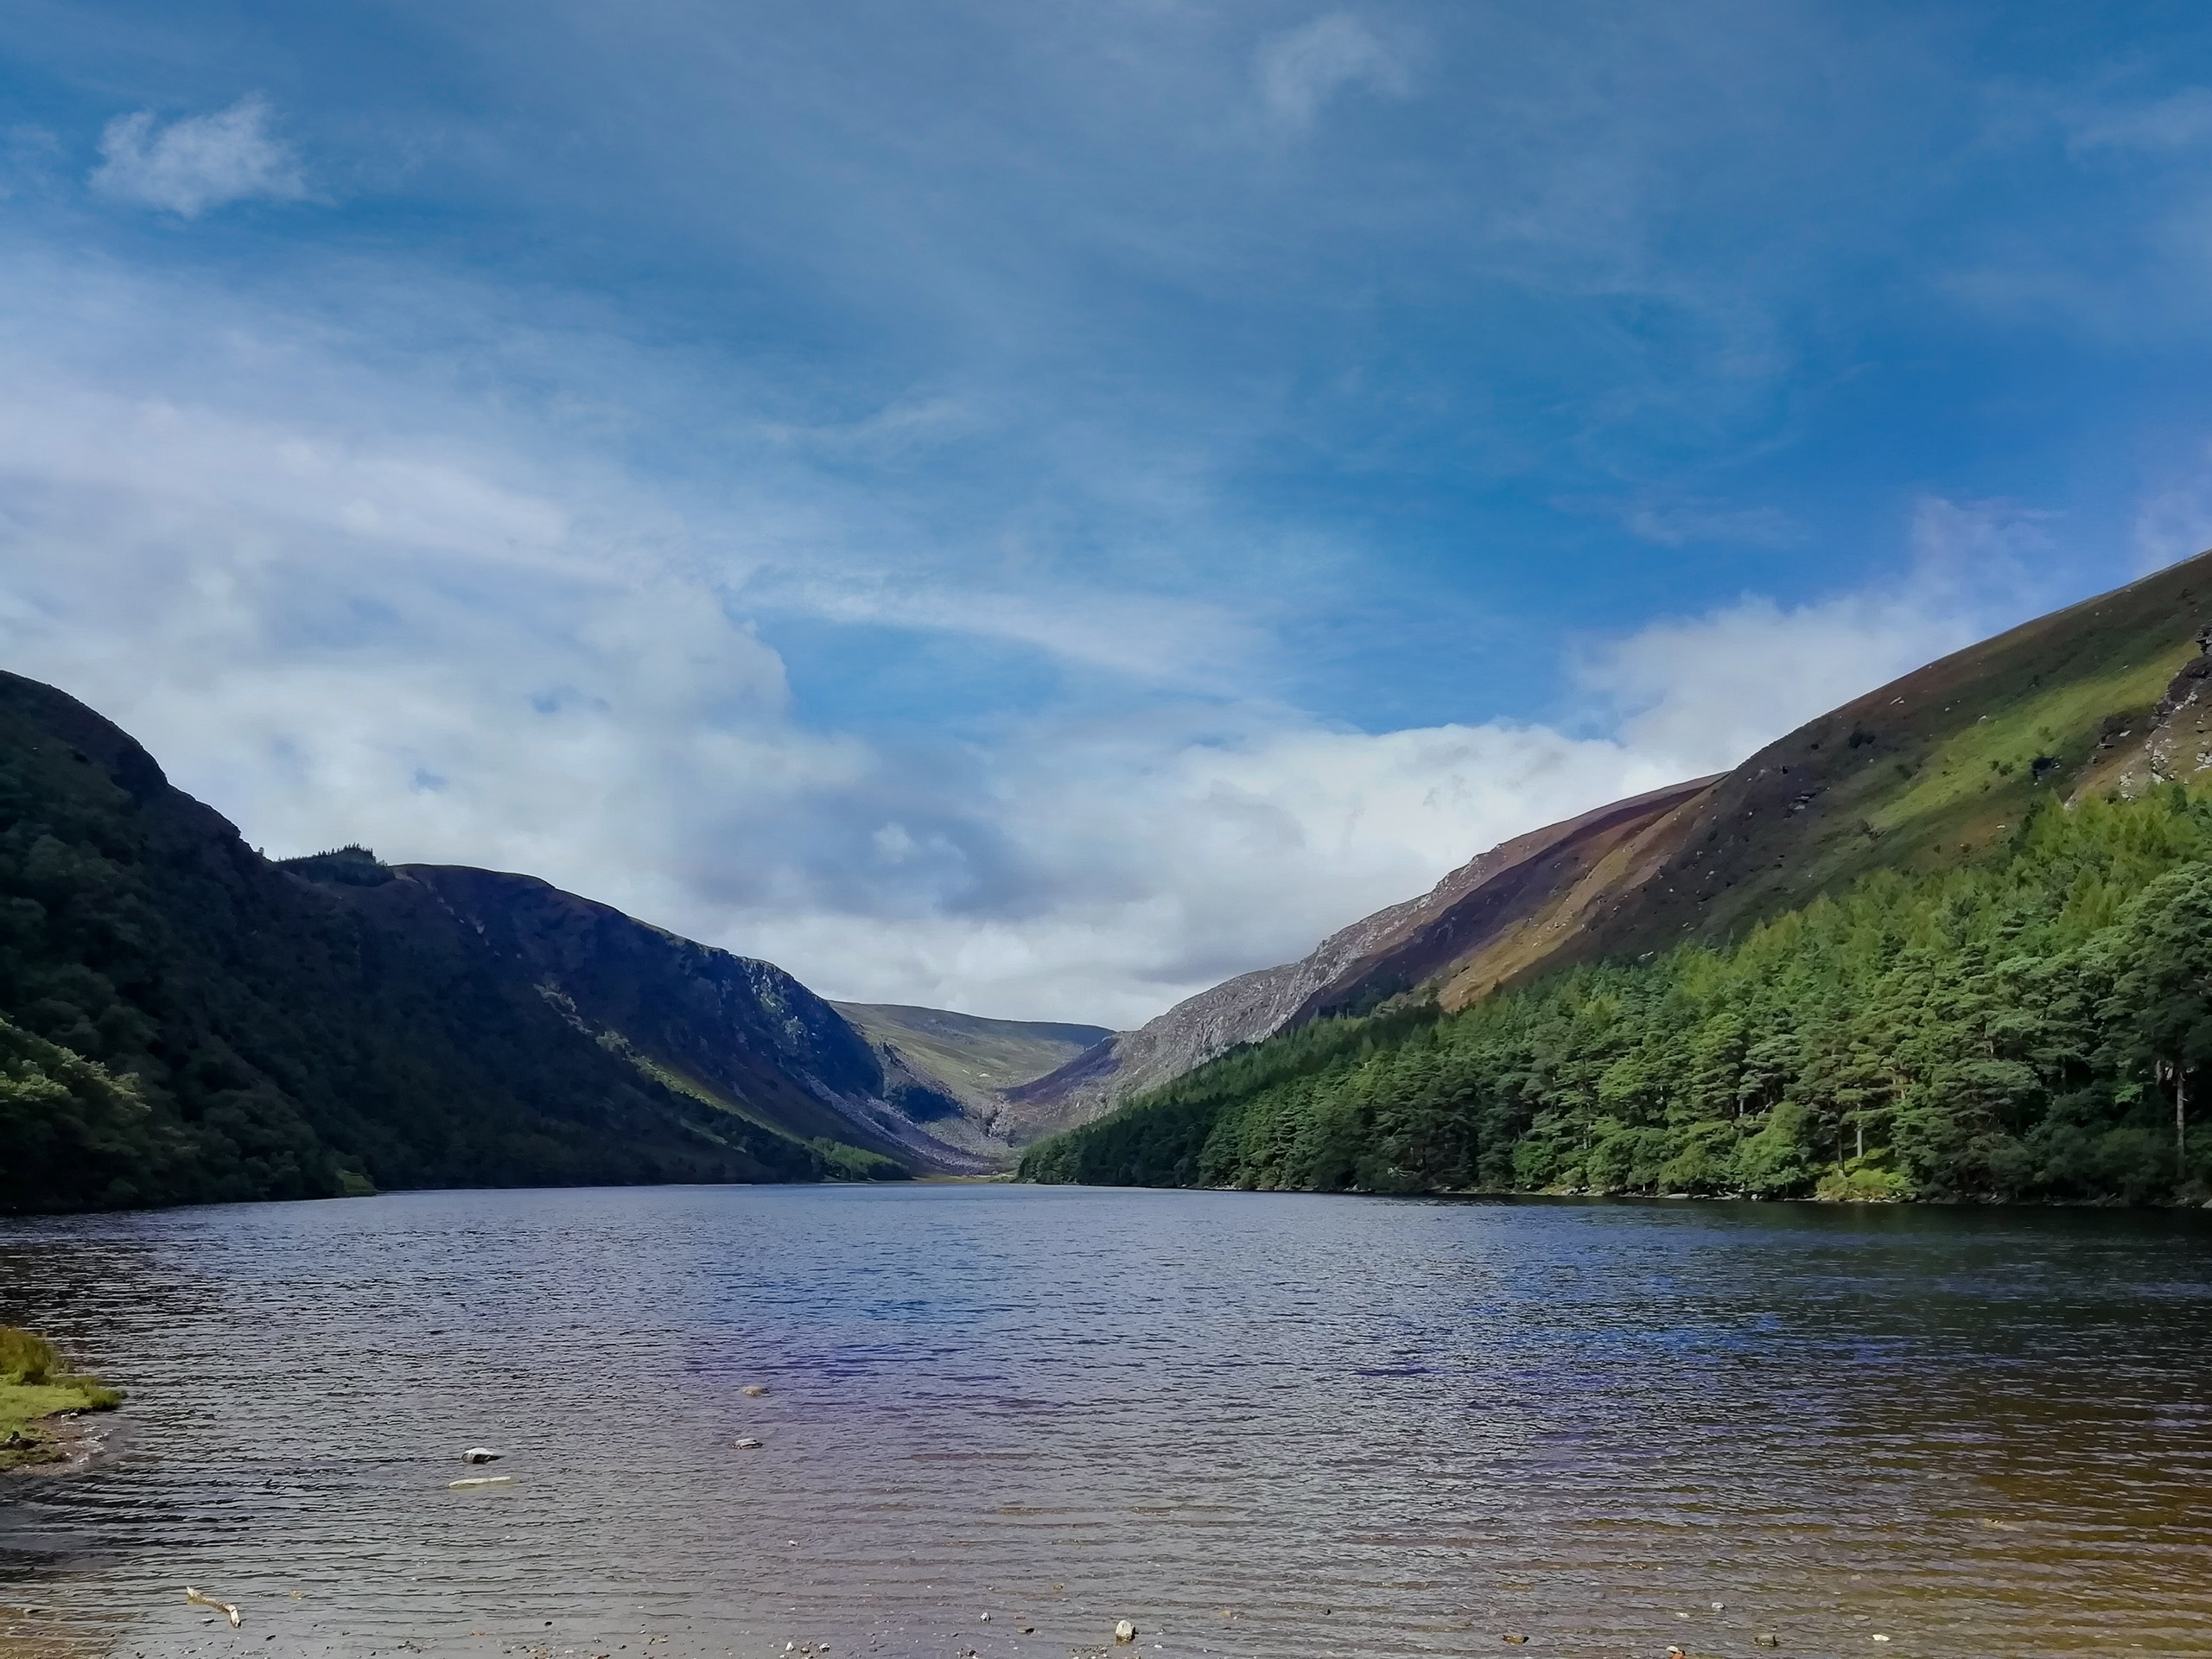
(338, 628)
(1300, 71)
(197, 162)
(462, 647)
(1176, 859)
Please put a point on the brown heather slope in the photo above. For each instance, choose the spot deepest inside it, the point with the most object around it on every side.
(2109, 694)
(1497, 897)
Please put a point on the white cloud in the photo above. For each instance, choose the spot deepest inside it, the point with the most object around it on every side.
(198, 161)
(1300, 71)
(378, 631)
(1175, 861)
(337, 603)
(1160, 639)
(465, 677)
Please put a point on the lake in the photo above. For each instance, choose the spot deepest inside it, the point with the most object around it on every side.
(1252, 1424)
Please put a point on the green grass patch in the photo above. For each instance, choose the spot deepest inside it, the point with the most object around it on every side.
(1998, 753)
(35, 1387)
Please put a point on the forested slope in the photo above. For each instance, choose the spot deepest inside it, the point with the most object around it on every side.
(2036, 1024)
(181, 1019)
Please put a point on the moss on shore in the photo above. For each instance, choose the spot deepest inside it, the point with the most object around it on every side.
(36, 1390)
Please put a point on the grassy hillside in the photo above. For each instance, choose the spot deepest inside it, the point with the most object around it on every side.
(1919, 775)
(1881, 958)
(182, 1020)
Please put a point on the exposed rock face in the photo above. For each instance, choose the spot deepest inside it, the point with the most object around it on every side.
(744, 1031)
(1384, 955)
(2173, 745)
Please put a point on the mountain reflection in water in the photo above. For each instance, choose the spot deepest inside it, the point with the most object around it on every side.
(1253, 1424)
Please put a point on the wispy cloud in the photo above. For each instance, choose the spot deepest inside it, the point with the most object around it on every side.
(198, 163)
(1300, 71)
(2180, 120)
(1156, 641)
(2175, 518)
(1690, 520)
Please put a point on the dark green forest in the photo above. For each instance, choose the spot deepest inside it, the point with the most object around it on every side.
(182, 1020)
(2036, 1024)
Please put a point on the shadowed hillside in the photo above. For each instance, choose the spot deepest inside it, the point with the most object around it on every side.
(738, 1034)
(181, 1019)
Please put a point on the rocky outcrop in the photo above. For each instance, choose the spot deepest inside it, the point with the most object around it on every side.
(2171, 744)
(202, 1025)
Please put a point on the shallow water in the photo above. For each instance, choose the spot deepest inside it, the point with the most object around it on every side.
(1362, 1427)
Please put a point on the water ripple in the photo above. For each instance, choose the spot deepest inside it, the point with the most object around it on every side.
(1255, 1424)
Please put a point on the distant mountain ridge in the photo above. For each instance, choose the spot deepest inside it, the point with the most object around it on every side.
(738, 1032)
(973, 1061)
(181, 1019)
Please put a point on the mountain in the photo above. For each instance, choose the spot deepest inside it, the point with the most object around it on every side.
(1918, 776)
(739, 1035)
(1932, 786)
(1507, 894)
(1914, 774)
(183, 1020)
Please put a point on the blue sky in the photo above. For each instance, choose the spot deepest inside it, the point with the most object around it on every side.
(1035, 509)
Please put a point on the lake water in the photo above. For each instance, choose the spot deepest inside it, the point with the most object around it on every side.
(1252, 1424)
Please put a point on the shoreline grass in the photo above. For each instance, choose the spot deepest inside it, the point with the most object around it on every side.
(36, 1390)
